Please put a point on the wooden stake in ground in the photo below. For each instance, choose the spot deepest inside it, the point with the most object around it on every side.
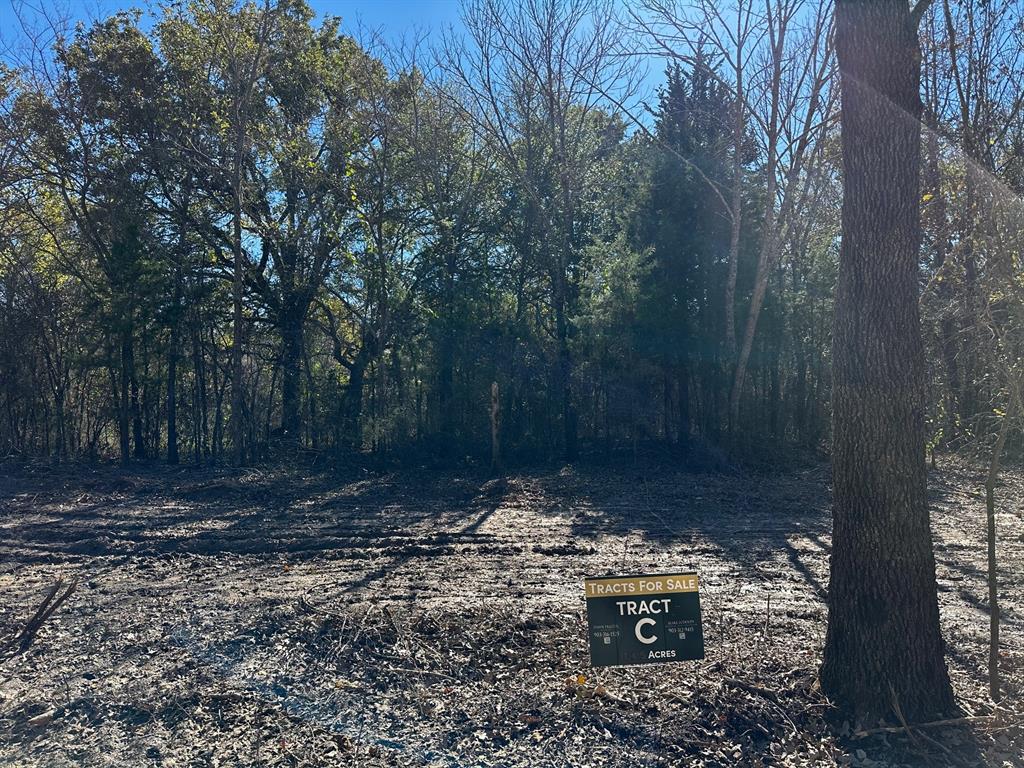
(883, 624)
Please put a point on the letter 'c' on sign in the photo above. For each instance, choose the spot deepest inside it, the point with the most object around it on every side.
(640, 635)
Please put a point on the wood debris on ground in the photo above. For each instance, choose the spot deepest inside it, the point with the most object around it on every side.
(410, 618)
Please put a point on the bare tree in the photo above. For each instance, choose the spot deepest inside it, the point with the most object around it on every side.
(684, 33)
(244, 38)
(997, 239)
(977, 103)
(778, 64)
(535, 76)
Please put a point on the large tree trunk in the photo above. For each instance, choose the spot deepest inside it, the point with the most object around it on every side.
(292, 353)
(200, 418)
(172, 396)
(120, 398)
(173, 353)
(495, 427)
(446, 384)
(237, 425)
(352, 416)
(883, 647)
(128, 415)
(446, 355)
(736, 223)
(765, 258)
(446, 389)
(683, 427)
(565, 375)
(128, 360)
(59, 398)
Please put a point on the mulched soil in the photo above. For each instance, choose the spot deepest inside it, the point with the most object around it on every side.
(288, 617)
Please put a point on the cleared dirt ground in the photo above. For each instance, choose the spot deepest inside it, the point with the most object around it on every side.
(417, 618)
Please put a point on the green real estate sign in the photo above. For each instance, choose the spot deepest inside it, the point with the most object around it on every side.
(644, 619)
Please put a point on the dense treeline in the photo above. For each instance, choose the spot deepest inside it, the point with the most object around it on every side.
(232, 230)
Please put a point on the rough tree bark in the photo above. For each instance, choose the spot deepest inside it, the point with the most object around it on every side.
(446, 355)
(138, 440)
(173, 353)
(352, 404)
(120, 398)
(237, 426)
(565, 370)
(172, 397)
(292, 353)
(884, 644)
(495, 427)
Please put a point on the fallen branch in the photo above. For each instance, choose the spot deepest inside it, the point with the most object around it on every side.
(428, 672)
(949, 753)
(310, 608)
(899, 713)
(750, 688)
(21, 642)
(953, 721)
(770, 695)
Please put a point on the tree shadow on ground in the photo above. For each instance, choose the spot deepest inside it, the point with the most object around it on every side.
(220, 514)
(771, 530)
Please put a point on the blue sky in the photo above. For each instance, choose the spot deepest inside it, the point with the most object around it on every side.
(394, 19)
(397, 14)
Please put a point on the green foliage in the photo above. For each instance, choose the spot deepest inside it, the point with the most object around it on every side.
(399, 252)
